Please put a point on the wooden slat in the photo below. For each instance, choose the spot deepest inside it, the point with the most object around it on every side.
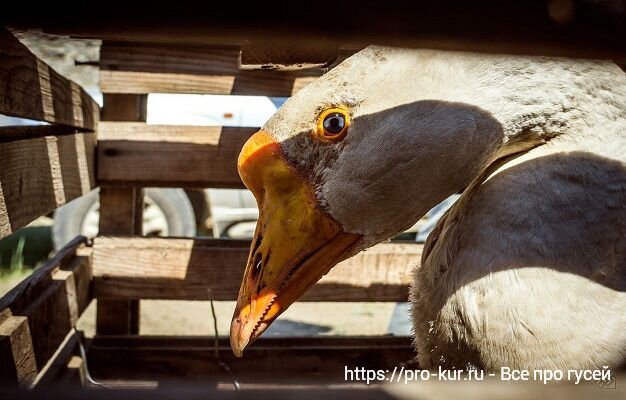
(38, 175)
(592, 29)
(121, 212)
(30, 89)
(37, 315)
(254, 83)
(125, 107)
(117, 317)
(18, 364)
(22, 132)
(143, 68)
(169, 156)
(199, 60)
(59, 366)
(157, 268)
(222, 59)
(286, 361)
(284, 56)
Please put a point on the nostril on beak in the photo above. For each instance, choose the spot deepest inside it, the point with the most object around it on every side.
(257, 266)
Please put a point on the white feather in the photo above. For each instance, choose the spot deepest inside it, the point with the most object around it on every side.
(528, 269)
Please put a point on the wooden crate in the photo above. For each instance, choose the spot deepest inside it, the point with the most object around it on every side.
(113, 148)
(119, 268)
(132, 154)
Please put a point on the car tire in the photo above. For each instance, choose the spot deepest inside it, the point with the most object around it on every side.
(172, 205)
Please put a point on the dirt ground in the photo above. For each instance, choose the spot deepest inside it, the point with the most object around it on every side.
(166, 317)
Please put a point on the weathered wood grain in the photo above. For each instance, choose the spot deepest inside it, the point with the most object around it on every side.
(284, 56)
(18, 364)
(170, 156)
(29, 88)
(254, 83)
(142, 57)
(286, 361)
(151, 68)
(157, 268)
(121, 212)
(59, 367)
(124, 107)
(37, 315)
(312, 58)
(22, 132)
(38, 175)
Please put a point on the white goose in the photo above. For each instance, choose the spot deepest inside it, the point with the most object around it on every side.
(527, 270)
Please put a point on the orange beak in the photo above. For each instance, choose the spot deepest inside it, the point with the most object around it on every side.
(295, 243)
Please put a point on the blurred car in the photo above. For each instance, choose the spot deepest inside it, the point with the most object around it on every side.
(225, 213)
(183, 212)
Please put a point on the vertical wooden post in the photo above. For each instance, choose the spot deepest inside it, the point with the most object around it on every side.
(124, 107)
(121, 212)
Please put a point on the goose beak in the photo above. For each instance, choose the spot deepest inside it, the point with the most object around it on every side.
(295, 243)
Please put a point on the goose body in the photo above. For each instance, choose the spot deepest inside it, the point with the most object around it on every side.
(528, 268)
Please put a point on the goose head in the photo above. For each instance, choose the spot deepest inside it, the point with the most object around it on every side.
(351, 160)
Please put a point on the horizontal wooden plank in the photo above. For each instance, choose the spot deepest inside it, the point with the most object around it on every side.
(158, 268)
(288, 360)
(21, 132)
(202, 391)
(169, 156)
(38, 175)
(152, 68)
(563, 28)
(287, 56)
(253, 83)
(37, 315)
(30, 89)
(310, 59)
(141, 57)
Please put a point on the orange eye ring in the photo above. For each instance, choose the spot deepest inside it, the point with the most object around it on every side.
(333, 124)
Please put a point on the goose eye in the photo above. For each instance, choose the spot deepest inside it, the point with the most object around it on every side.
(334, 123)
